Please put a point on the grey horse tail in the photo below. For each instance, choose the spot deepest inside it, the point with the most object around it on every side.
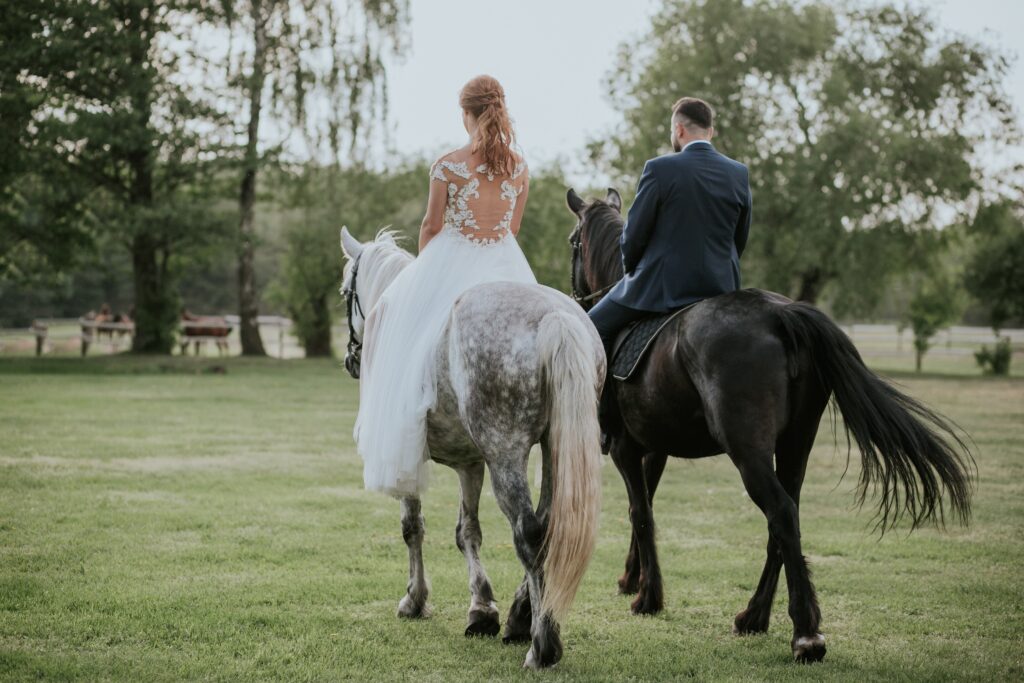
(573, 385)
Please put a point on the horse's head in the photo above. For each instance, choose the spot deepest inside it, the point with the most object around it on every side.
(370, 269)
(596, 263)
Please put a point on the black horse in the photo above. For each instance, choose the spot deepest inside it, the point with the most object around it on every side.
(750, 374)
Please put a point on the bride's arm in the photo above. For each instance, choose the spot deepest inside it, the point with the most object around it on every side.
(517, 214)
(433, 220)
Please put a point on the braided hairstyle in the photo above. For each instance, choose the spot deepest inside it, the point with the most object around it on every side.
(484, 98)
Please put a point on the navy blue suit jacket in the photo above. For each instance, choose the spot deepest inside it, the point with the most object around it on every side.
(685, 231)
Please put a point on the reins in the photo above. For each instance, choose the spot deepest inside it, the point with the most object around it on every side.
(354, 349)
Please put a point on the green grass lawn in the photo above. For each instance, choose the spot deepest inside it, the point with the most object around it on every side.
(161, 520)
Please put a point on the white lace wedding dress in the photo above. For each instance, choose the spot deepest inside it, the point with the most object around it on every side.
(397, 386)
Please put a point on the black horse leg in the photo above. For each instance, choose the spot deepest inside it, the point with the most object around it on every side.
(629, 460)
(654, 466)
(791, 453)
(780, 509)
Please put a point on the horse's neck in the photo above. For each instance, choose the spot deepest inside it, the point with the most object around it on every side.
(604, 267)
(383, 273)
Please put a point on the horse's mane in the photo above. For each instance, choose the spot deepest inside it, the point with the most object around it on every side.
(602, 257)
(379, 264)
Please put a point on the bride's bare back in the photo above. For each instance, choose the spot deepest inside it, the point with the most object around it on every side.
(475, 202)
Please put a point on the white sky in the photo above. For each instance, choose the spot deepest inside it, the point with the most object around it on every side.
(552, 57)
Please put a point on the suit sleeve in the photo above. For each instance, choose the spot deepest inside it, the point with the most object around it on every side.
(743, 224)
(643, 214)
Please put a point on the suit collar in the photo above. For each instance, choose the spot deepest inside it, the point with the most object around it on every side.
(697, 144)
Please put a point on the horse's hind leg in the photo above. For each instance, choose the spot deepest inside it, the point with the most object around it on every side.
(520, 614)
(629, 460)
(508, 475)
(483, 613)
(768, 493)
(791, 453)
(414, 603)
(654, 466)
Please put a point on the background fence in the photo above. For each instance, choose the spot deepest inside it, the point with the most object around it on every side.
(887, 344)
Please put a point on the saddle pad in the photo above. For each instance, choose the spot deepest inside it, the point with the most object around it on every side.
(632, 343)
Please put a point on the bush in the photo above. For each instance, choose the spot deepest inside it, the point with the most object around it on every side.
(997, 360)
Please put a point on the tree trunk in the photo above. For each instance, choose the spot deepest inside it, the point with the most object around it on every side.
(155, 308)
(918, 356)
(318, 342)
(248, 300)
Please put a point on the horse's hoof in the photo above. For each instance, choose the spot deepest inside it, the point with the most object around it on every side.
(483, 622)
(542, 662)
(410, 609)
(628, 585)
(749, 623)
(645, 605)
(511, 636)
(807, 649)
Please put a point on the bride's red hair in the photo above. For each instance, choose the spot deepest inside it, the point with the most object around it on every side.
(484, 98)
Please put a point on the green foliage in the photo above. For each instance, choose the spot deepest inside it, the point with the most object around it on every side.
(995, 272)
(995, 361)
(544, 235)
(851, 121)
(116, 145)
(307, 286)
(278, 63)
(936, 303)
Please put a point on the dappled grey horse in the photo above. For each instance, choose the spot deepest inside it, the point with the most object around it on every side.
(516, 365)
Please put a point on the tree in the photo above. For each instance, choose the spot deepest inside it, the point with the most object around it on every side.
(115, 143)
(936, 303)
(326, 198)
(280, 59)
(856, 124)
(995, 272)
(546, 227)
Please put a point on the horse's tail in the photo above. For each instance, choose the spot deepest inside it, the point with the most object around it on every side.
(908, 451)
(573, 383)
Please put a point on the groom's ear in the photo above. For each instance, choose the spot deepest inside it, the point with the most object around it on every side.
(574, 201)
(614, 199)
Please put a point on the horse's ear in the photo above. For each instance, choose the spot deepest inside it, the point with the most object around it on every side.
(574, 201)
(349, 244)
(614, 199)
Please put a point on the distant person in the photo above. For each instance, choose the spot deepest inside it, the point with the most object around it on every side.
(686, 230)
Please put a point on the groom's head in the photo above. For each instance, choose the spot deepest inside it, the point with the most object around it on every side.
(692, 119)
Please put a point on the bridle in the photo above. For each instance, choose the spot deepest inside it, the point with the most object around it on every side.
(354, 350)
(584, 300)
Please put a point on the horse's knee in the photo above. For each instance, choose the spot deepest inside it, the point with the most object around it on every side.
(412, 529)
(529, 536)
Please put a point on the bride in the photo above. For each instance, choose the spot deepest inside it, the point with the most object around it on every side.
(468, 237)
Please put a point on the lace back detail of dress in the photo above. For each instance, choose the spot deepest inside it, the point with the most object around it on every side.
(480, 204)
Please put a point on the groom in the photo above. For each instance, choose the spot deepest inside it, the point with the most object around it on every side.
(686, 230)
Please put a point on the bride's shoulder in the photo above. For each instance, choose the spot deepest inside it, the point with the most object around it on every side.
(520, 158)
(454, 162)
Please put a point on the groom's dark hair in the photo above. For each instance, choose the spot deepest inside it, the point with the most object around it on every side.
(691, 111)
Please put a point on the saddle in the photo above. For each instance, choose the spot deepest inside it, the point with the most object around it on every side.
(632, 342)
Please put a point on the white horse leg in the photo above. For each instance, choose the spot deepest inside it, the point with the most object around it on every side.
(520, 614)
(483, 613)
(508, 475)
(414, 604)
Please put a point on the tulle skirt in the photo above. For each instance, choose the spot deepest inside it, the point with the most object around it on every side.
(398, 383)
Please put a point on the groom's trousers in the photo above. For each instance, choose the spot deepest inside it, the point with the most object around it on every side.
(609, 317)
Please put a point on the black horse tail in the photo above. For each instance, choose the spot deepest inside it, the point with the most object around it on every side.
(909, 452)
